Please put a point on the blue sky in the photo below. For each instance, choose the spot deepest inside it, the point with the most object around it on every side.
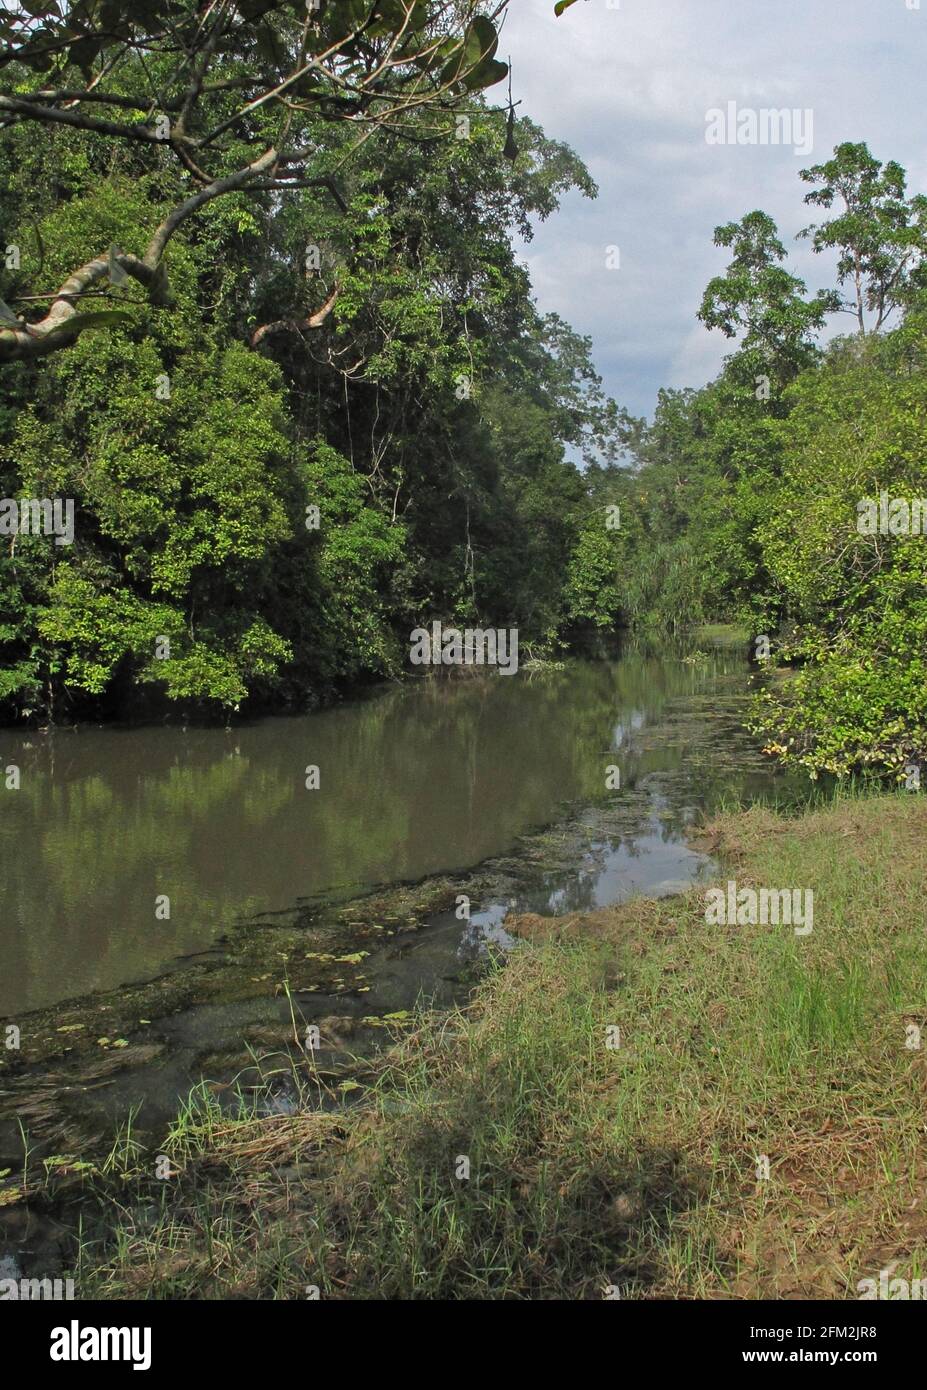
(629, 89)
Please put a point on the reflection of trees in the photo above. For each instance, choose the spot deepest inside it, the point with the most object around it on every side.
(576, 894)
(415, 780)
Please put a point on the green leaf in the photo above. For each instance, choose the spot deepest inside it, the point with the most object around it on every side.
(482, 33)
(486, 75)
(478, 48)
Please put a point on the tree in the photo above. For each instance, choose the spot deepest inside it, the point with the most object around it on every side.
(854, 594)
(227, 90)
(881, 235)
(284, 504)
(759, 298)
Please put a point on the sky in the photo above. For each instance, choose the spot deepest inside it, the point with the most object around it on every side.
(629, 87)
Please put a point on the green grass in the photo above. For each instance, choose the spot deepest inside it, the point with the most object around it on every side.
(591, 1166)
(721, 634)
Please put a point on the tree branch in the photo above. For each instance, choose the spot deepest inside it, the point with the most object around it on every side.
(315, 320)
(17, 106)
(63, 322)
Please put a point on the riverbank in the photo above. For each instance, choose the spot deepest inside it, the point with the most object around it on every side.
(630, 1159)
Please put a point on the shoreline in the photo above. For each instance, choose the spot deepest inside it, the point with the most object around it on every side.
(633, 1166)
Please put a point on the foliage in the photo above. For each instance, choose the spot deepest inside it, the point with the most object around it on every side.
(427, 413)
(231, 95)
(856, 602)
(748, 491)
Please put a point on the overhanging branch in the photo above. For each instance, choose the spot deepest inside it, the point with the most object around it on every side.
(64, 322)
(314, 321)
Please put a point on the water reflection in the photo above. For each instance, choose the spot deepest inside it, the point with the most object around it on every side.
(436, 777)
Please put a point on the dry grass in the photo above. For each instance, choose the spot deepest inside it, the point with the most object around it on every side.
(591, 1166)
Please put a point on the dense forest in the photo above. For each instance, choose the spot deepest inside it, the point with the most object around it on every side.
(754, 498)
(279, 504)
(349, 417)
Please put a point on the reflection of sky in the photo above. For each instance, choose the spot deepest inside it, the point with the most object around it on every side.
(652, 860)
(624, 728)
(485, 929)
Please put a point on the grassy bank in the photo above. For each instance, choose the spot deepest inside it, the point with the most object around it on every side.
(728, 635)
(592, 1165)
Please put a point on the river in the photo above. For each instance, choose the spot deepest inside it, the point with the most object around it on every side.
(126, 849)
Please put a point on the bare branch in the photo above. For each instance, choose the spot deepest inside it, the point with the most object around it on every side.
(53, 115)
(315, 320)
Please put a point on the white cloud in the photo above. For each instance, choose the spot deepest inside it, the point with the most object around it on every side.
(629, 89)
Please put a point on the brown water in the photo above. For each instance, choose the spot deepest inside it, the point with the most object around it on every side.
(415, 781)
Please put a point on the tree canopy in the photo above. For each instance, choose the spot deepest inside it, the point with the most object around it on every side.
(349, 417)
(233, 95)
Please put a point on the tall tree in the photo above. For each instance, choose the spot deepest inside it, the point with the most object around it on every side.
(880, 236)
(758, 298)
